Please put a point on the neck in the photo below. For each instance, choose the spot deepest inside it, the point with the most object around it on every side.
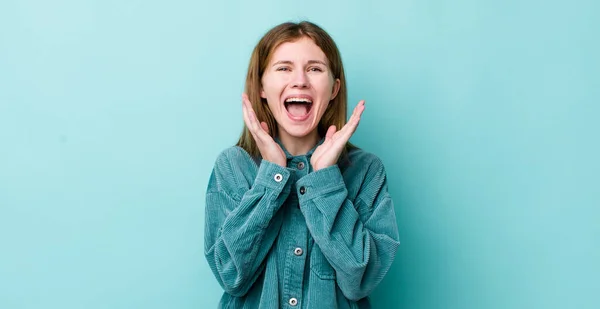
(299, 145)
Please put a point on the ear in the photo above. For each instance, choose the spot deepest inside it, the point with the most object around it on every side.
(262, 94)
(336, 88)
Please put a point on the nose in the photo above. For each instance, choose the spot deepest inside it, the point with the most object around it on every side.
(300, 80)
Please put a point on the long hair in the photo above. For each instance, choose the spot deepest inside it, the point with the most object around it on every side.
(261, 55)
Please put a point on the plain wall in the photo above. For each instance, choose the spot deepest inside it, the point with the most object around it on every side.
(485, 114)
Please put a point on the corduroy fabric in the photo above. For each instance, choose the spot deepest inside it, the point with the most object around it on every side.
(289, 237)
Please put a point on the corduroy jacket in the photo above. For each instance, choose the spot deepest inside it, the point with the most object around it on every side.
(291, 237)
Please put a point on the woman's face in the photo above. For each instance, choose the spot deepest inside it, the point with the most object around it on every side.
(298, 86)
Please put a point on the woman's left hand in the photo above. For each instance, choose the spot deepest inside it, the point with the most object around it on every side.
(328, 153)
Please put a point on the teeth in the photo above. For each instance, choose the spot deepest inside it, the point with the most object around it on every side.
(298, 100)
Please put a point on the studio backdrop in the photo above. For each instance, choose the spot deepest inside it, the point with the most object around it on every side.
(484, 113)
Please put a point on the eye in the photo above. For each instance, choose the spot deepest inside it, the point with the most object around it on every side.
(315, 69)
(283, 69)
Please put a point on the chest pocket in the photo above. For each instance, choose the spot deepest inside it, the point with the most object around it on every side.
(319, 264)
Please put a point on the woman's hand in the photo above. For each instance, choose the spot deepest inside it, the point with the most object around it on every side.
(329, 151)
(269, 149)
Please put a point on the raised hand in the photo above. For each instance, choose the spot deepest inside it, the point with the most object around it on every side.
(269, 149)
(329, 151)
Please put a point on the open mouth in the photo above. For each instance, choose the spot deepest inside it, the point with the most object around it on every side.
(298, 108)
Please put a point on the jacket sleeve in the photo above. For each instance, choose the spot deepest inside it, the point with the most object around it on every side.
(241, 224)
(360, 247)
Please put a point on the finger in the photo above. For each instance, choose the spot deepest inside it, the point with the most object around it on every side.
(247, 111)
(350, 127)
(246, 115)
(264, 126)
(246, 101)
(252, 120)
(330, 132)
(256, 127)
(358, 110)
(356, 113)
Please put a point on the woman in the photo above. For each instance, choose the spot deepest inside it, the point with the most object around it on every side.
(296, 216)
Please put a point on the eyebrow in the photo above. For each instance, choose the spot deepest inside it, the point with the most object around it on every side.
(290, 62)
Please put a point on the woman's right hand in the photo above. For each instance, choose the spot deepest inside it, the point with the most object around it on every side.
(269, 149)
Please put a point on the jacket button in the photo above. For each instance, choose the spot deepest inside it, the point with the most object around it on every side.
(298, 251)
(278, 177)
(300, 165)
(293, 301)
(302, 190)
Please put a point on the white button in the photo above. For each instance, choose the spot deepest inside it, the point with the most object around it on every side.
(293, 301)
(278, 177)
(298, 251)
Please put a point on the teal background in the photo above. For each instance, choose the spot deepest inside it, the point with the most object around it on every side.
(485, 114)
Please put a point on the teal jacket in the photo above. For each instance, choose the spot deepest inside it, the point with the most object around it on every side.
(289, 237)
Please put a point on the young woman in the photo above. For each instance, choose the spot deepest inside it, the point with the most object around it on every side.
(296, 216)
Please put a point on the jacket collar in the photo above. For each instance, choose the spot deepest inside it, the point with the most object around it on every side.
(290, 156)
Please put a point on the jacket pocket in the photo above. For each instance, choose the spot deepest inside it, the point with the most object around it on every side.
(319, 264)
